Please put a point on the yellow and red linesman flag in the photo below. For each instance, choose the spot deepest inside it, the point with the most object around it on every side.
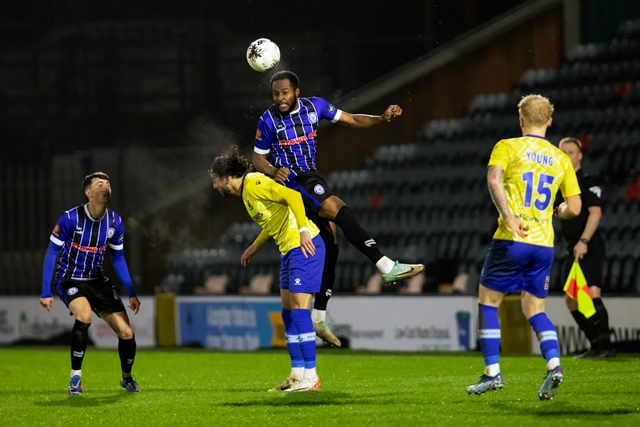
(578, 289)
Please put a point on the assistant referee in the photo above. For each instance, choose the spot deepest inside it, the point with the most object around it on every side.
(587, 246)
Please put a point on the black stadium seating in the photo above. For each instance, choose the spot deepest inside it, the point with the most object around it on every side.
(427, 201)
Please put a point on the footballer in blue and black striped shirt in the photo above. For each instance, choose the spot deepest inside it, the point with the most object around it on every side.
(289, 131)
(84, 233)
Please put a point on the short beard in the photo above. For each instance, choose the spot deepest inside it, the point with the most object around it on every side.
(292, 106)
(225, 193)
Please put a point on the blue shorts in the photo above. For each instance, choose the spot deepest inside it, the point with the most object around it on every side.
(300, 274)
(515, 266)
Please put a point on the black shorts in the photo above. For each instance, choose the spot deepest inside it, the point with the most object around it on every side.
(315, 186)
(101, 294)
(592, 263)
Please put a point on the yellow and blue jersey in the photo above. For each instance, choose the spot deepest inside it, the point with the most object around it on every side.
(266, 203)
(534, 170)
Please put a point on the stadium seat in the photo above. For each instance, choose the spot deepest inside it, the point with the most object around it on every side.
(260, 284)
(214, 285)
(414, 285)
(373, 286)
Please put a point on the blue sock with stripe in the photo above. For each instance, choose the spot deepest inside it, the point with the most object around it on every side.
(307, 336)
(293, 342)
(489, 338)
(546, 333)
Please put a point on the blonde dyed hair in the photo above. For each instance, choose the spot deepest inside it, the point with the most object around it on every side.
(535, 110)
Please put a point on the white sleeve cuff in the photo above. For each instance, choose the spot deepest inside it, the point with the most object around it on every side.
(261, 151)
(116, 247)
(337, 116)
(56, 241)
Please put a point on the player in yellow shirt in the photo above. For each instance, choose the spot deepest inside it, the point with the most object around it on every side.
(524, 176)
(280, 212)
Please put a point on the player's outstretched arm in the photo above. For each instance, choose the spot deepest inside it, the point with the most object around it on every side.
(363, 121)
(261, 164)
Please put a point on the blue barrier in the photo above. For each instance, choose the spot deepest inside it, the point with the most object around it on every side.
(229, 324)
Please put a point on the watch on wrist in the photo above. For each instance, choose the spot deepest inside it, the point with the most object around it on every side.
(585, 241)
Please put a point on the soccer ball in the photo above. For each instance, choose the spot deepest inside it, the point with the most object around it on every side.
(263, 55)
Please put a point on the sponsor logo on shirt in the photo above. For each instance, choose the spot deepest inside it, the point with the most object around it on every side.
(331, 108)
(259, 135)
(298, 140)
(525, 217)
(91, 249)
(78, 229)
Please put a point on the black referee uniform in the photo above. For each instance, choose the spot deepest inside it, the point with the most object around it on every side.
(596, 328)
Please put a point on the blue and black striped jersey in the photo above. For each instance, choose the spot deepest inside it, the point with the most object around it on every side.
(292, 138)
(84, 241)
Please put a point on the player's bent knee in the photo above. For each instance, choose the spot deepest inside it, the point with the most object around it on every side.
(125, 333)
(84, 317)
(331, 207)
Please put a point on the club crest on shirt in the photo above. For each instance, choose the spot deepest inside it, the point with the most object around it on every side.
(110, 232)
(259, 135)
(56, 230)
(318, 189)
(72, 291)
(313, 117)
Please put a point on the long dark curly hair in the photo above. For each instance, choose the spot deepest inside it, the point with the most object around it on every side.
(230, 164)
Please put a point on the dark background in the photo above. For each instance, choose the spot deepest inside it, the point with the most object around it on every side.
(80, 99)
(149, 91)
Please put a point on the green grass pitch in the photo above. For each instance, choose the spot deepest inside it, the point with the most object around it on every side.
(199, 387)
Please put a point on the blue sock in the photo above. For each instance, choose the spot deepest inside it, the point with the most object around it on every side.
(307, 335)
(489, 334)
(546, 333)
(293, 342)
